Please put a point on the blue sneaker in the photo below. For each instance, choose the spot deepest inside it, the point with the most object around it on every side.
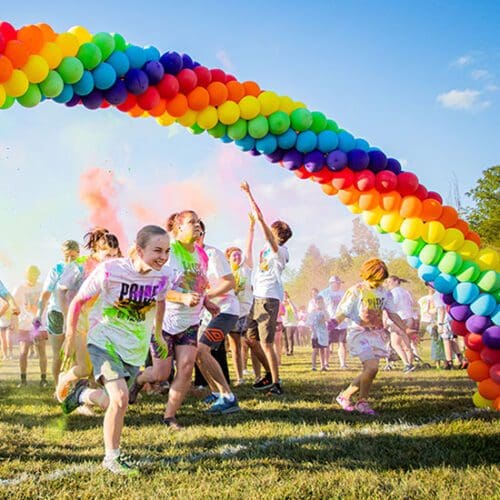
(223, 406)
(210, 399)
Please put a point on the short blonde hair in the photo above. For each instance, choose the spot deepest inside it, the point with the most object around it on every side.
(373, 270)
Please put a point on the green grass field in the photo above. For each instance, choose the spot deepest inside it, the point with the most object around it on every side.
(427, 441)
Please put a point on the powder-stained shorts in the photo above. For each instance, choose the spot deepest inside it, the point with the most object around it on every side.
(336, 335)
(187, 337)
(109, 367)
(262, 320)
(241, 325)
(216, 331)
(368, 344)
(55, 323)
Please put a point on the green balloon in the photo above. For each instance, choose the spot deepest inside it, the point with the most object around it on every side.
(332, 125)
(53, 85)
(319, 122)
(279, 122)
(9, 102)
(489, 281)
(397, 237)
(196, 129)
(31, 98)
(237, 130)
(105, 42)
(379, 229)
(431, 254)
(301, 119)
(450, 263)
(258, 127)
(90, 55)
(71, 70)
(469, 271)
(497, 295)
(412, 247)
(218, 131)
(120, 42)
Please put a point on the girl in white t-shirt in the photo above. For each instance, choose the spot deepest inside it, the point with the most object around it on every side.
(131, 295)
(8, 309)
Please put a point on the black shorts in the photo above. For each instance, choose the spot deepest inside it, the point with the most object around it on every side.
(216, 331)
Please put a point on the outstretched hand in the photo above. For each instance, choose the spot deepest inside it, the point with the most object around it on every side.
(245, 187)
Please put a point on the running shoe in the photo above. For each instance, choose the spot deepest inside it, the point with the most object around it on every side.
(172, 424)
(344, 367)
(275, 390)
(409, 368)
(86, 411)
(263, 383)
(364, 408)
(120, 465)
(344, 403)
(211, 399)
(324, 369)
(22, 384)
(134, 391)
(224, 406)
(313, 369)
(72, 401)
(448, 365)
(44, 383)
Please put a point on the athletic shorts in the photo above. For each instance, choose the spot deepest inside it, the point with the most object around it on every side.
(28, 337)
(216, 331)
(336, 335)
(317, 345)
(241, 326)
(55, 323)
(109, 367)
(262, 320)
(187, 337)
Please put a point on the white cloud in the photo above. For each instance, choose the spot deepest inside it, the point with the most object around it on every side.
(462, 61)
(223, 57)
(480, 74)
(491, 87)
(463, 100)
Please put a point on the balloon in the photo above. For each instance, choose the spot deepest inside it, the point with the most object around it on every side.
(481, 402)
(104, 76)
(279, 122)
(120, 63)
(414, 261)
(17, 85)
(473, 236)
(150, 99)
(431, 209)
(487, 258)
(421, 192)
(378, 162)
(220, 130)
(318, 122)
(136, 81)
(453, 239)
(188, 119)
(428, 273)
(491, 337)
(306, 141)
(489, 281)
(172, 62)
(249, 107)
(412, 247)
(85, 85)
(36, 69)
(495, 373)
(489, 389)
(474, 342)
(235, 90)
(154, 70)
(357, 159)
(266, 145)
(251, 88)
(301, 119)
(117, 94)
(93, 100)
(450, 263)
(364, 180)
(411, 206)
(169, 87)
(314, 161)
(336, 160)
(52, 54)
(468, 250)
(258, 127)
(412, 228)
(346, 141)
(287, 139)
(369, 200)
(269, 103)
(136, 56)
(469, 271)
(217, 75)
(17, 52)
(328, 189)
(348, 196)
(71, 70)
(489, 355)
(459, 328)
(229, 113)
(391, 222)
(5, 68)
(66, 95)
(178, 105)
(466, 293)
(218, 93)
(390, 201)
(372, 217)
(472, 355)
(187, 80)
(237, 130)
(386, 181)
(445, 283)
(32, 37)
(207, 118)
(449, 216)
(31, 97)
(407, 183)
(477, 323)
(105, 42)
(342, 179)
(81, 33)
(292, 160)
(433, 232)
(431, 254)
(327, 141)
(393, 165)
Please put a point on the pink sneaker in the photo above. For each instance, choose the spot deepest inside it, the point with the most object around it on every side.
(344, 403)
(365, 408)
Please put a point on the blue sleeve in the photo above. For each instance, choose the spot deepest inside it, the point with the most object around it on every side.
(3, 291)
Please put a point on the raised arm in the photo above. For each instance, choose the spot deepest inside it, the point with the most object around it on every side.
(249, 247)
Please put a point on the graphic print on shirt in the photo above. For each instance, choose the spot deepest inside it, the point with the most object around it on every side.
(193, 279)
(371, 306)
(264, 259)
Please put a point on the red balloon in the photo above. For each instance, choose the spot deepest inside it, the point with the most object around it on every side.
(342, 179)
(128, 104)
(323, 176)
(489, 355)
(407, 183)
(187, 80)
(364, 180)
(386, 181)
(459, 328)
(435, 196)
(302, 173)
(204, 75)
(495, 373)
(218, 75)
(168, 87)
(421, 192)
(473, 236)
(149, 99)
(3, 43)
(8, 31)
(475, 342)
(230, 78)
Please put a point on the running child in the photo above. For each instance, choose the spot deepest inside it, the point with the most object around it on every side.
(318, 322)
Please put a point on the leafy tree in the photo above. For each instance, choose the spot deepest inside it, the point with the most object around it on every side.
(364, 240)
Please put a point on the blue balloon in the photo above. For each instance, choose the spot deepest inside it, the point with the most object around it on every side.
(267, 144)
(306, 141)
(93, 100)
(226, 139)
(66, 95)
(495, 317)
(336, 160)
(484, 305)
(187, 62)
(172, 62)
(346, 141)
(152, 53)
(414, 261)
(104, 76)
(117, 94)
(428, 273)
(466, 293)
(75, 100)
(327, 141)
(85, 85)
(120, 62)
(292, 159)
(393, 165)
(288, 139)
(275, 156)
(136, 56)
(378, 160)
(314, 161)
(155, 71)
(357, 159)
(246, 144)
(361, 144)
(137, 81)
(445, 283)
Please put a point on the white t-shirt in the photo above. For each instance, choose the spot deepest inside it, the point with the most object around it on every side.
(317, 321)
(26, 298)
(428, 309)
(268, 283)
(189, 276)
(127, 307)
(51, 285)
(243, 290)
(403, 302)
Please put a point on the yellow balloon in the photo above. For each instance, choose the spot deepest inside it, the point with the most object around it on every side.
(81, 33)
(468, 250)
(354, 208)
(269, 102)
(412, 228)
(188, 119)
(208, 118)
(286, 104)
(298, 104)
(3, 95)
(228, 112)
(487, 258)
(433, 232)
(17, 84)
(68, 43)
(165, 120)
(52, 53)
(36, 69)
(391, 222)
(453, 240)
(249, 107)
(372, 217)
(481, 402)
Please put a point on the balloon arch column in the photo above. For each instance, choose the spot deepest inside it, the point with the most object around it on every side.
(103, 70)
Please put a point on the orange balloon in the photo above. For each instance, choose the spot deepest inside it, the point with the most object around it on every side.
(473, 236)
(236, 90)
(159, 109)
(449, 216)
(461, 225)
(478, 370)
(218, 93)
(472, 355)
(5, 68)
(136, 111)
(48, 33)
(251, 88)
(489, 389)
(411, 206)
(198, 99)
(348, 196)
(390, 201)
(329, 189)
(369, 200)
(17, 52)
(431, 209)
(32, 36)
(496, 404)
(177, 106)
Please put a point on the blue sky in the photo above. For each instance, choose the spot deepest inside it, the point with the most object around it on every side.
(421, 80)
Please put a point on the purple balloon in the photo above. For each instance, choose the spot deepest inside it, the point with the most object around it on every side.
(314, 161)
(336, 160)
(172, 62)
(491, 337)
(254, 152)
(378, 161)
(276, 156)
(187, 62)
(448, 298)
(357, 159)
(460, 312)
(292, 159)
(117, 94)
(393, 165)
(137, 81)
(477, 324)
(155, 71)
(93, 100)
(73, 101)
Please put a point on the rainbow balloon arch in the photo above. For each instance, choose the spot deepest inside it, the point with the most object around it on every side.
(103, 70)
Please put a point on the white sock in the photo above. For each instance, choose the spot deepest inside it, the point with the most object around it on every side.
(229, 396)
(112, 454)
(216, 394)
(84, 397)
